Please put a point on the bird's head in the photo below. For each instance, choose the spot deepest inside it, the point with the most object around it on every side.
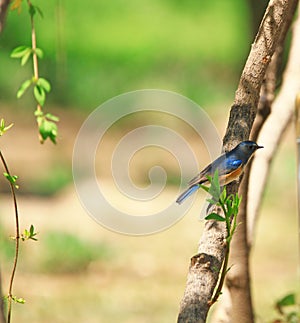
(248, 147)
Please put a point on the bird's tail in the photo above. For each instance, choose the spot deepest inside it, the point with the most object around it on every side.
(187, 193)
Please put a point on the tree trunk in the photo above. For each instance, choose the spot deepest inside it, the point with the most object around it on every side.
(204, 267)
(238, 279)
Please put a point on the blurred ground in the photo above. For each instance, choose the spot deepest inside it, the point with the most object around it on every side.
(124, 278)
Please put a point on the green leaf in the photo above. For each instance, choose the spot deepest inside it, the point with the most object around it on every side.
(215, 216)
(19, 300)
(29, 234)
(38, 113)
(25, 58)
(35, 9)
(20, 51)
(12, 179)
(40, 12)
(39, 94)
(52, 117)
(44, 84)
(4, 128)
(287, 300)
(212, 201)
(205, 188)
(223, 196)
(214, 189)
(24, 86)
(48, 129)
(39, 53)
(31, 10)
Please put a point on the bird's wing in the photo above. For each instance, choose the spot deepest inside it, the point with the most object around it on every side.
(225, 165)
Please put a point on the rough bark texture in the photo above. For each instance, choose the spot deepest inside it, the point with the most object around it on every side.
(202, 276)
(238, 278)
(274, 127)
(257, 9)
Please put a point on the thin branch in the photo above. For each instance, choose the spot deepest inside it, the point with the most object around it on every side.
(2, 315)
(17, 240)
(34, 55)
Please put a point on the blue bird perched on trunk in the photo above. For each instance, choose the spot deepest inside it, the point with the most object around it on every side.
(229, 165)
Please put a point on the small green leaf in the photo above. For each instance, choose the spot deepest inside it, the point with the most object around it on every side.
(31, 10)
(48, 129)
(40, 12)
(12, 179)
(38, 113)
(29, 234)
(4, 128)
(287, 300)
(215, 216)
(223, 196)
(25, 58)
(24, 86)
(39, 94)
(44, 84)
(52, 117)
(39, 53)
(211, 201)
(20, 51)
(214, 190)
(19, 300)
(205, 188)
(35, 9)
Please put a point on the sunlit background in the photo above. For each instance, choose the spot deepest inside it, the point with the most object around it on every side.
(78, 271)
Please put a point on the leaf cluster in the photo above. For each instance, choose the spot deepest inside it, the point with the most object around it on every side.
(230, 207)
(12, 179)
(288, 309)
(4, 128)
(228, 203)
(47, 125)
(29, 234)
(41, 86)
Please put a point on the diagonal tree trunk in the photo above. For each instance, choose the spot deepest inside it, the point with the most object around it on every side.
(238, 279)
(205, 266)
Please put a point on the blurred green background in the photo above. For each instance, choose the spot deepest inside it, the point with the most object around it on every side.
(100, 49)
(79, 271)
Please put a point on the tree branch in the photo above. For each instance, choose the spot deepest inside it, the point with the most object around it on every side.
(274, 128)
(205, 266)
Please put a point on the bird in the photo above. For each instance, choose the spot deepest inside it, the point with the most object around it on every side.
(229, 165)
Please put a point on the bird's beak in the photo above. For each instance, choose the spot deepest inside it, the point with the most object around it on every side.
(258, 147)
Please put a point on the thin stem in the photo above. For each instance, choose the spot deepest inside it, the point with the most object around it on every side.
(222, 276)
(226, 258)
(34, 55)
(17, 240)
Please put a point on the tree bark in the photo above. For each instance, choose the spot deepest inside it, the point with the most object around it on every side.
(238, 279)
(205, 266)
(274, 128)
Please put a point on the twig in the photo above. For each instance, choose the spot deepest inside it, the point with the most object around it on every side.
(17, 240)
(34, 55)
